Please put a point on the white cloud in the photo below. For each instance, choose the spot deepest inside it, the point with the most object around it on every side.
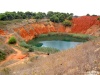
(78, 7)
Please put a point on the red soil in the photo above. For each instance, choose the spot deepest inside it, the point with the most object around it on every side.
(18, 55)
(81, 24)
(2, 32)
(29, 32)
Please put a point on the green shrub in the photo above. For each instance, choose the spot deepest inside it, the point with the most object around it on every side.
(2, 55)
(67, 23)
(12, 40)
(69, 18)
(31, 49)
(24, 44)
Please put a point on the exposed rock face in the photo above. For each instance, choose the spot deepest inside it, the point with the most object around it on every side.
(28, 32)
(83, 23)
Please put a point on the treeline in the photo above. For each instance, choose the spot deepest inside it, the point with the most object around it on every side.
(53, 16)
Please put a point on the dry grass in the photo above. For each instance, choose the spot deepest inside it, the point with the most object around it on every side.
(76, 61)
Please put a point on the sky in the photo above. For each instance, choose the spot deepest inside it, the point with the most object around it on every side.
(78, 7)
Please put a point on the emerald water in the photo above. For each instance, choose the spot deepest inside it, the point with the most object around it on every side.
(61, 45)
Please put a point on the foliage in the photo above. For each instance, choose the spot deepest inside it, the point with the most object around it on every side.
(28, 15)
(49, 14)
(31, 49)
(40, 15)
(67, 23)
(24, 44)
(61, 17)
(3, 17)
(87, 14)
(53, 16)
(69, 18)
(12, 40)
(2, 55)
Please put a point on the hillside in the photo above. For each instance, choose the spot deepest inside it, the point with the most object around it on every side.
(81, 60)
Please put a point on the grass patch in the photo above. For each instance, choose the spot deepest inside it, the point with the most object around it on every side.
(32, 48)
(4, 23)
(45, 49)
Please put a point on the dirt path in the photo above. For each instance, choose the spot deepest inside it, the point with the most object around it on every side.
(14, 56)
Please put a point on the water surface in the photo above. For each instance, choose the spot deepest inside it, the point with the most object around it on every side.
(61, 45)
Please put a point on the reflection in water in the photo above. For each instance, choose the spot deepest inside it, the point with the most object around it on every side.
(61, 45)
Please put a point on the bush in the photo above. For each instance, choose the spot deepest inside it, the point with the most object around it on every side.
(67, 23)
(69, 18)
(31, 49)
(24, 44)
(12, 40)
(98, 18)
(2, 55)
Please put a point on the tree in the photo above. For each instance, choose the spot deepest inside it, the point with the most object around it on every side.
(67, 23)
(71, 14)
(54, 18)
(29, 14)
(69, 18)
(9, 15)
(40, 15)
(3, 17)
(49, 14)
(61, 17)
(87, 14)
(20, 15)
(33, 15)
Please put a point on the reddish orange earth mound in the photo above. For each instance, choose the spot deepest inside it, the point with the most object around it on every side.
(83, 23)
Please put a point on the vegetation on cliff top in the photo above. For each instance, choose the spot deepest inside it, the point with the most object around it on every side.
(53, 16)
